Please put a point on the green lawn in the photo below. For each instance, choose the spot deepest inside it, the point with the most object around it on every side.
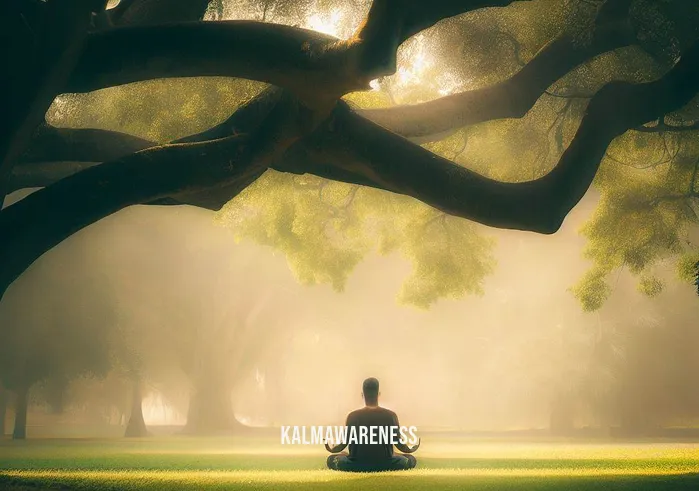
(174, 463)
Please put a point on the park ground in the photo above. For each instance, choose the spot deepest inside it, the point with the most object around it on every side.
(448, 462)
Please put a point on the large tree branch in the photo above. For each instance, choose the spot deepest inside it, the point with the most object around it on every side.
(513, 97)
(43, 44)
(45, 218)
(312, 65)
(56, 153)
(52, 143)
(42, 174)
(391, 22)
(350, 149)
(282, 55)
(390, 162)
(553, 60)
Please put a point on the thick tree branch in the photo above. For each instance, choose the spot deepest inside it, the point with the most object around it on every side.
(551, 61)
(42, 56)
(314, 66)
(393, 163)
(246, 119)
(353, 150)
(45, 218)
(511, 98)
(282, 55)
(56, 153)
(391, 22)
(52, 143)
(42, 174)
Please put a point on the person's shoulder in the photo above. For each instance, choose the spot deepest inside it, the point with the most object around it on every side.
(356, 413)
(389, 412)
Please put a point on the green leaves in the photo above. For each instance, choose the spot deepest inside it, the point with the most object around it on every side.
(650, 285)
(592, 290)
(450, 260)
(687, 266)
(325, 228)
(309, 220)
(646, 212)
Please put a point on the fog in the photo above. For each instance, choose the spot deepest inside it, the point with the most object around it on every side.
(167, 292)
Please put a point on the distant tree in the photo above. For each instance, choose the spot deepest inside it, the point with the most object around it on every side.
(251, 328)
(53, 391)
(53, 342)
(136, 426)
(203, 323)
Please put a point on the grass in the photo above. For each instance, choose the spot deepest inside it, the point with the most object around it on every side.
(176, 463)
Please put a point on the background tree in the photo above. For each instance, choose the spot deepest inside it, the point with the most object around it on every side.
(53, 342)
(196, 311)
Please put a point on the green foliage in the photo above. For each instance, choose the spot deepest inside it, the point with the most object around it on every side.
(646, 213)
(592, 290)
(687, 266)
(159, 110)
(325, 228)
(650, 285)
(665, 28)
(450, 260)
(306, 219)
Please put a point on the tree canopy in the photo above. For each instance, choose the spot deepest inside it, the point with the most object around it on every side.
(421, 122)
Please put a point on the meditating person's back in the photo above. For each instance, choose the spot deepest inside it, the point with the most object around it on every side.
(372, 416)
(372, 423)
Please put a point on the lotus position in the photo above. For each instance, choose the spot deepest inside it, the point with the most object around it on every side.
(375, 457)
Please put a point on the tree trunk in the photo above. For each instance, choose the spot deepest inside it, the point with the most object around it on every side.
(137, 425)
(20, 431)
(3, 409)
(210, 411)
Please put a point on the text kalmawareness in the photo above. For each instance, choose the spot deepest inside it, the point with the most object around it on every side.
(350, 435)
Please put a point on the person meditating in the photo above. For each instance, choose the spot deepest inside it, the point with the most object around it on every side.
(368, 457)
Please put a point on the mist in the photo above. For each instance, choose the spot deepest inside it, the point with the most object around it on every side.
(208, 322)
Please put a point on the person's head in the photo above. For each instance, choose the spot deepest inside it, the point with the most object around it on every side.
(370, 391)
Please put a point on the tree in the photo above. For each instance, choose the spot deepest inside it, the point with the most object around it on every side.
(302, 126)
(41, 338)
(194, 309)
(136, 427)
